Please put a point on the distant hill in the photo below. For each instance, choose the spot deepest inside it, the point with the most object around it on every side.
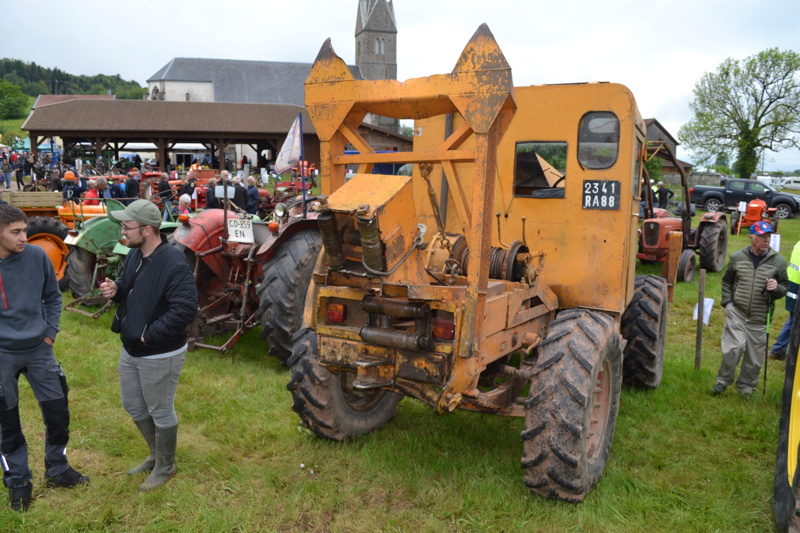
(35, 80)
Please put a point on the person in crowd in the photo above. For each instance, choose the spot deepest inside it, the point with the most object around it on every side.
(90, 197)
(239, 194)
(132, 187)
(108, 190)
(166, 194)
(73, 186)
(30, 316)
(184, 205)
(100, 166)
(754, 278)
(153, 326)
(6, 168)
(253, 199)
(663, 194)
(778, 350)
(211, 197)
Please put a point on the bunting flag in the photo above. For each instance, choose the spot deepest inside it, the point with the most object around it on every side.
(291, 150)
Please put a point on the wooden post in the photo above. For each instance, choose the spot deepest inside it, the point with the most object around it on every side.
(701, 297)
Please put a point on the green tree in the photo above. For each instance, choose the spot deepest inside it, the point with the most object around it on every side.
(13, 104)
(745, 107)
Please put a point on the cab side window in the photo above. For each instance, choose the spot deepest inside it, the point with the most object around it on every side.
(540, 169)
(598, 140)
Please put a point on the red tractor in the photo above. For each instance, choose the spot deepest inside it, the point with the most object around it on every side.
(250, 271)
(756, 210)
(709, 240)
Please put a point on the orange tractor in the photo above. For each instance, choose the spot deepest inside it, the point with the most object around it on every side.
(754, 211)
(498, 278)
(708, 241)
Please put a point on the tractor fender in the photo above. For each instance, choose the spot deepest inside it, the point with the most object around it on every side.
(98, 235)
(266, 250)
(712, 217)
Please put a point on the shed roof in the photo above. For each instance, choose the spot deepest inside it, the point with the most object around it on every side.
(47, 99)
(180, 120)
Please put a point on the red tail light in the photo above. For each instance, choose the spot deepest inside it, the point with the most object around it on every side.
(444, 329)
(336, 313)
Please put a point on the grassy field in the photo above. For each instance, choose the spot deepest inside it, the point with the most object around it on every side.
(681, 461)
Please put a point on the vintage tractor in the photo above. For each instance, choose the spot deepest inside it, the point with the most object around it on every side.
(498, 278)
(709, 241)
(95, 253)
(754, 211)
(249, 272)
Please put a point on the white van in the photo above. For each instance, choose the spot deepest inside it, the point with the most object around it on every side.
(792, 183)
(775, 183)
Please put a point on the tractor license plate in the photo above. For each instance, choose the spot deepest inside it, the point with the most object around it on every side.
(240, 230)
(601, 194)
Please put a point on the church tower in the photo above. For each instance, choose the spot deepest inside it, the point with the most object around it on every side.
(376, 47)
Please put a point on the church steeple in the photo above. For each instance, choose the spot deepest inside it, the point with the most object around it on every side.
(376, 40)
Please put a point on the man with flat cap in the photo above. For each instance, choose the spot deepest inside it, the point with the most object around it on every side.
(157, 300)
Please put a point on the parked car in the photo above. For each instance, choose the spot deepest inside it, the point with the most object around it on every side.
(737, 190)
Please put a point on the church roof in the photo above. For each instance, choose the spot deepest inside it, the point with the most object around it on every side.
(367, 8)
(243, 81)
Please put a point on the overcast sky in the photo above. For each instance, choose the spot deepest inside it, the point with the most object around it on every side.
(658, 49)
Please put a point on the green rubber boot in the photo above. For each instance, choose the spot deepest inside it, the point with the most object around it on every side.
(148, 430)
(164, 469)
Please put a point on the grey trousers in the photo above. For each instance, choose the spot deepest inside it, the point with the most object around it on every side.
(49, 384)
(745, 341)
(147, 387)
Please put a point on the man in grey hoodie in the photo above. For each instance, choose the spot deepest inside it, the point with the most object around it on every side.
(30, 308)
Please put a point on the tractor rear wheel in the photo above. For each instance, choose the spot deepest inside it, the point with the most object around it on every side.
(644, 326)
(571, 410)
(686, 266)
(786, 463)
(282, 291)
(53, 232)
(713, 248)
(326, 401)
(81, 275)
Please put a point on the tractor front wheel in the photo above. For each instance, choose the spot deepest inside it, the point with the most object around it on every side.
(644, 326)
(327, 403)
(282, 291)
(571, 410)
(713, 247)
(686, 266)
(81, 275)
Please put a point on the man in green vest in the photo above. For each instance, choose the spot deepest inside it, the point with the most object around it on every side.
(778, 350)
(754, 278)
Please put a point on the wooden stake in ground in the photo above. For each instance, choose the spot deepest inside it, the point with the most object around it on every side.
(701, 301)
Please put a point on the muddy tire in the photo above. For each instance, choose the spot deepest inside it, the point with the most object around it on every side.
(786, 476)
(81, 276)
(54, 227)
(326, 402)
(644, 326)
(687, 264)
(282, 291)
(713, 247)
(571, 410)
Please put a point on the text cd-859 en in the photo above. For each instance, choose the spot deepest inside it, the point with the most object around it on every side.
(601, 194)
(239, 222)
